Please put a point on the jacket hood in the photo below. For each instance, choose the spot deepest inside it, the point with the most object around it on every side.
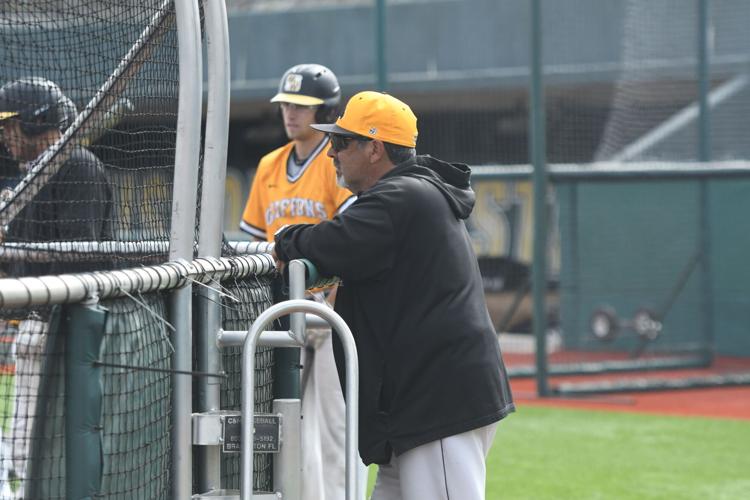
(451, 179)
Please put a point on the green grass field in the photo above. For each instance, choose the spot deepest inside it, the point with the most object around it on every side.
(551, 453)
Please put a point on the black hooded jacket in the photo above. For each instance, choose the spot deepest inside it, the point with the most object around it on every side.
(411, 292)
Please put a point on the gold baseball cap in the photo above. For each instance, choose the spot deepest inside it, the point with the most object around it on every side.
(377, 116)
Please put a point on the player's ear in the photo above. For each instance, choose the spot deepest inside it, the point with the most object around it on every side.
(377, 150)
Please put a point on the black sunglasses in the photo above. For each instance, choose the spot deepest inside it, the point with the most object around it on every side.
(341, 142)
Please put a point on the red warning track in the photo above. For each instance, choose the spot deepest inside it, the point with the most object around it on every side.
(717, 402)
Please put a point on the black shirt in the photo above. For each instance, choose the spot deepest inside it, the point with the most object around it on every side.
(74, 205)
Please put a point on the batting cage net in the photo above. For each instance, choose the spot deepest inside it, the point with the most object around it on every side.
(129, 405)
(654, 110)
(88, 110)
(247, 300)
(645, 273)
(135, 422)
(89, 107)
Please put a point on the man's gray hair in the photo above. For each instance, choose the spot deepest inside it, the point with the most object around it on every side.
(399, 154)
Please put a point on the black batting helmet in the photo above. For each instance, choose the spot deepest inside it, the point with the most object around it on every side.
(38, 104)
(311, 85)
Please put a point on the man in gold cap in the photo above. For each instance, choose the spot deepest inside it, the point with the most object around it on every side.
(433, 385)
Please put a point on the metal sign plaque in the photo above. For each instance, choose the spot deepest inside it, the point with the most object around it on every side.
(266, 438)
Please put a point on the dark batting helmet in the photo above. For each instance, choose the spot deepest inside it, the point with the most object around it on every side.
(38, 104)
(311, 85)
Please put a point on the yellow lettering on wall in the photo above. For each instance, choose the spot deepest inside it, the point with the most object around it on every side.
(489, 225)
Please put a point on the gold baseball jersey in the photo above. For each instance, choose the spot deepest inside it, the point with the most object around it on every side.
(310, 196)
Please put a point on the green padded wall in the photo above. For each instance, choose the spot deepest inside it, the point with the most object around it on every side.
(729, 209)
(625, 244)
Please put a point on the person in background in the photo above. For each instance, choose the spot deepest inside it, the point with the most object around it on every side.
(74, 204)
(294, 184)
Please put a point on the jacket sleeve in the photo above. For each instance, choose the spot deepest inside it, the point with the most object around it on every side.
(357, 244)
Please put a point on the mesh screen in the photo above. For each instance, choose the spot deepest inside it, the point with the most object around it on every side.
(621, 85)
(613, 273)
(89, 111)
(136, 406)
(254, 296)
(653, 113)
(33, 387)
(88, 152)
(239, 5)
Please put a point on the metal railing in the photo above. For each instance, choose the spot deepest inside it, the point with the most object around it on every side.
(254, 335)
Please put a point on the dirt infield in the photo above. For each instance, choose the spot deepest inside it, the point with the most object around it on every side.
(717, 402)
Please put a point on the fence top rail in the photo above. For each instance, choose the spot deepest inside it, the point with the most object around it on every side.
(562, 172)
(19, 293)
(251, 247)
(86, 251)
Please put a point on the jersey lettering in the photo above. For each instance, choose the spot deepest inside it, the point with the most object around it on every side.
(309, 197)
(295, 207)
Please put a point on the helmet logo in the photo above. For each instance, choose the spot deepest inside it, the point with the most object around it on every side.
(293, 82)
(41, 110)
(373, 131)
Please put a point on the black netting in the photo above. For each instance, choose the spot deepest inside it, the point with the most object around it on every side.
(136, 407)
(89, 100)
(254, 296)
(88, 109)
(32, 447)
(136, 413)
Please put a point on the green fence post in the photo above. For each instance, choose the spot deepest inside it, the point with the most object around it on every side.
(84, 331)
(286, 360)
(704, 84)
(286, 373)
(537, 147)
(380, 40)
(704, 155)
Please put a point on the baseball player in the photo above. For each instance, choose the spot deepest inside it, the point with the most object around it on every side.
(295, 184)
(74, 204)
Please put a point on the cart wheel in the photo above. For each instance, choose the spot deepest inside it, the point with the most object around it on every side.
(604, 323)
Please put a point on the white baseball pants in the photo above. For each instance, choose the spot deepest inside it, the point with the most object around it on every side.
(452, 468)
(29, 347)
